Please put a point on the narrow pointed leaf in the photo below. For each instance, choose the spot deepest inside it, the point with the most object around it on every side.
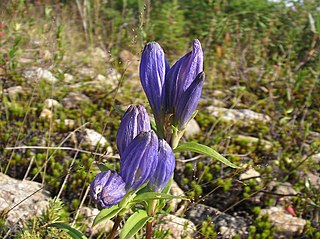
(74, 233)
(135, 222)
(205, 150)
(106, 214)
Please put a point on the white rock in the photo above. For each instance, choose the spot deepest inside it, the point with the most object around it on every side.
(68, 78)
(175, 190)
(284, 222)
(46, 114)
(250, 173)
(192, 129)
(14, 91)
(250, 141)
(51, 104)
(30, 196)
(37, 73)
(94, 138)
(245, 116)
(178, 227)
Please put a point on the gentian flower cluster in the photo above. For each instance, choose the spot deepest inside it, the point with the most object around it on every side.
(146, 156)
(173, 93)
(144, 160)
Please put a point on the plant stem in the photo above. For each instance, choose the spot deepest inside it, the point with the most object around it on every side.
(115, 227)
(149, 230)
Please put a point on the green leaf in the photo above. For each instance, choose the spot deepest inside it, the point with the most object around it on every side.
(74, 233)
(154, 196)
(134, 223)
(205, 150)
(106, 214)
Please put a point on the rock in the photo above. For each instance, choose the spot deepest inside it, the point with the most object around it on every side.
(35, 74)
(75, 99)
(249, 142)
(14, 92)
(51, 104)
(86, 72)
(250, 173)
(285, 189)
(244, 116)
(46, 114)
(175, 190)
(284, 222)
(316, 158)
(178, 227)
(90, 214)
(68, 78)
(27, 197)
(68, 123)
(228, 226)
(314, 179)
(93, 138)
(192, 129)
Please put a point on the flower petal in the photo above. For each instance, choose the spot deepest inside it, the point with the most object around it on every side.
(182, 74)
(107, 189)
(139, 160)
(188, 102)
(153, 67)
(165, 167)
(134, 121)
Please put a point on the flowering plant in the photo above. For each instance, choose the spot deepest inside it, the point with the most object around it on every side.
(147, 160)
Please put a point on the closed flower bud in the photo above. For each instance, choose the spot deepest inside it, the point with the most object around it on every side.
(107, 189)
(164, 169)
(139, 160)
(134, 121)
(188, 102)
(182, 75)
(153, 68)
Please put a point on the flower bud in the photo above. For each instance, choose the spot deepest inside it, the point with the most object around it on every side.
(188, 102)
(134, 121)
(153, 68)
(164, 169)
(139, 160)
(107, 189)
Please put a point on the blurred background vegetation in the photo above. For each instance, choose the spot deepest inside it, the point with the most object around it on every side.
(262, 55)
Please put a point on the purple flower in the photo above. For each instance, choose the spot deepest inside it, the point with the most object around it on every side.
(153, 68)
(139, 160)
(164, 169)
(134, 121)
(188, 102)
(168, 90)
(107, 189)
(181, 76)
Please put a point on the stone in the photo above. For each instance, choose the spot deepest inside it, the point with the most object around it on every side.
(68, 78)
(314, 179)
(177, 226)
(34, 74)
(175, 190)
(51, 104)
(250, 173)
(285, 189)
(86, 72)
(46, 114)
(14, 92)
(244, 116)
(316, 158)
(68, 123)
(192, 129)
(24, 199)
(249, 142)
(285, 223)
(74, 99)
(93, 139)
(228, 226)
(89, 214)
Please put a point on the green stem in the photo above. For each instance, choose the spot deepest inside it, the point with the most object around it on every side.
(151, 211)
(115, 227)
